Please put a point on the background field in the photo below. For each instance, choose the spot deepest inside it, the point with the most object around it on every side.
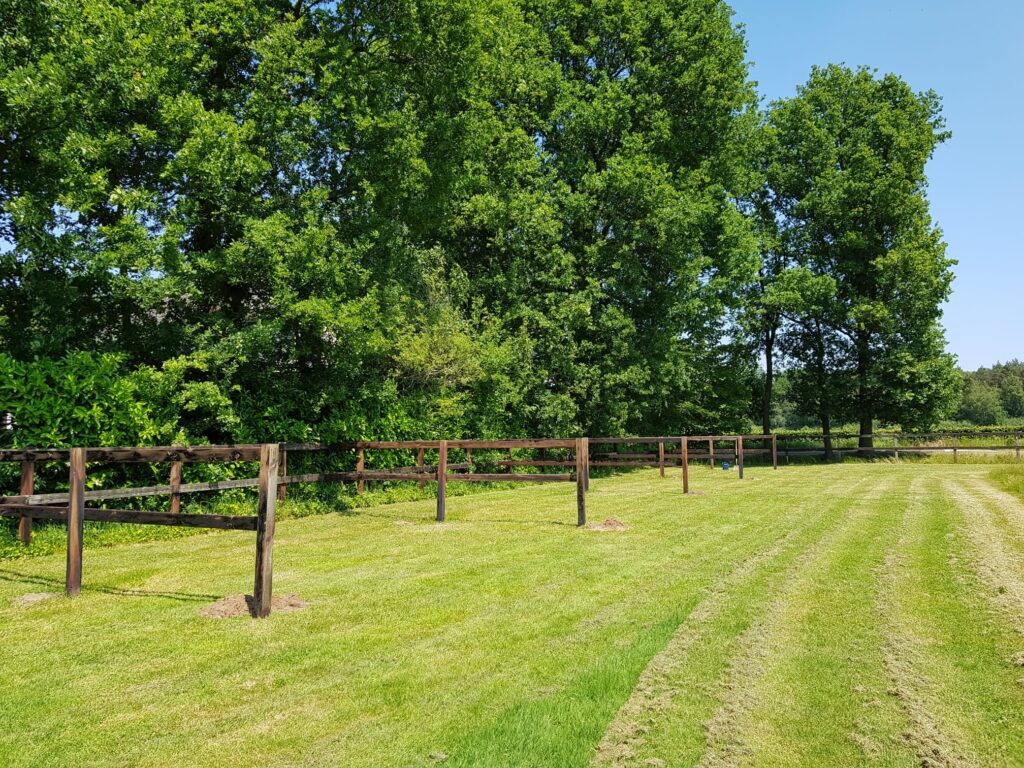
(818, 615)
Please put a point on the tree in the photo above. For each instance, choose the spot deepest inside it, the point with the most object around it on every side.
(992, 394)
(342, 220)
(764, 310)
(846, 171)
(981, 404)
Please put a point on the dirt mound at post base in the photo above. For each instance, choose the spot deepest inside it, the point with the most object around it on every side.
(34, 597)
(243, 605)
(611, 524)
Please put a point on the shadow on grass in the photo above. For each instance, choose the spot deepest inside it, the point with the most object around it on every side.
(25, 578)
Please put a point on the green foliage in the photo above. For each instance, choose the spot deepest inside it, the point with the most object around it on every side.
(844, 192)
(993, 395)
(80, 399)
(323, 221)
(980, 404)
(317, 221)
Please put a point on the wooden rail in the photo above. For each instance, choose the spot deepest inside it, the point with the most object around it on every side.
(896, 443)
(70, 506)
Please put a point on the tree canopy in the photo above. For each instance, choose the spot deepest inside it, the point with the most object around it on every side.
(866, 271)
(310, 220)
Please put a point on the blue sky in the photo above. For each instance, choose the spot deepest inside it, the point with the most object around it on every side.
(972, 54)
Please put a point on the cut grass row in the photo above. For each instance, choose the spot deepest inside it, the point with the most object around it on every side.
(821, 615)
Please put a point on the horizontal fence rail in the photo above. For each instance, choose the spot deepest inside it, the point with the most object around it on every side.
(571, 462)
(795, 444)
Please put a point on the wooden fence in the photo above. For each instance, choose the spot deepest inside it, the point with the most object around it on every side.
(804, 445)
(573, 455)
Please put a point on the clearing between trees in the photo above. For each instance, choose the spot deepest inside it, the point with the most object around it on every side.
(826, 615)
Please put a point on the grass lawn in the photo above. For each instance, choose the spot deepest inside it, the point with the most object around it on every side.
(850, 614)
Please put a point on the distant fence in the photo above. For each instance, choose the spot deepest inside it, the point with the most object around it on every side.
(799, 444)
(542, 456)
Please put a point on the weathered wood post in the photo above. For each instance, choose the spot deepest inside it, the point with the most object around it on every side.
(581, 482)
(419, 466)
(76, 520)
(175, 482)
(775, 452)
(469, 458)
(360, 466)
(265, 519)
(28, 487)
(282, 490)
(739, 455)
(586, 464)
(1016, 445)
(711, 452)
(955, 443)
(684, 449)
(896, 447)
(442, 478)
(661, 457)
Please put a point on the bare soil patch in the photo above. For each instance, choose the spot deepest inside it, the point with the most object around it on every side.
(34, 597)
(611, 524)
(243, 605)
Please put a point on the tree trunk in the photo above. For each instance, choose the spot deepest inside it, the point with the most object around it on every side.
(769, 382)
(826, 431)
(866, 445)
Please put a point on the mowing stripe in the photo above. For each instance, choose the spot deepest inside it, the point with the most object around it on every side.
(807, 686)
(951, 638)
(936, 743)
(997, 564)
(709, 629)
(1007, 510)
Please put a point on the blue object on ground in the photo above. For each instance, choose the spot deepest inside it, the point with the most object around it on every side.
(725, 465)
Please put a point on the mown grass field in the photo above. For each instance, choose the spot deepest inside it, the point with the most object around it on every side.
(851, 614)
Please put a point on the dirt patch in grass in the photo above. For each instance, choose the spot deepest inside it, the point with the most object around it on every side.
(34, 597)
(611, 524)
(243, 605)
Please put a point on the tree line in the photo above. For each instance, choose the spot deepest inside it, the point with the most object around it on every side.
(993, 395)
(290, 219)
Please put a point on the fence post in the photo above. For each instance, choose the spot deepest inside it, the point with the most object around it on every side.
(711, 452)
(282, 490)
(661, 457)
(581, 482)
(360, 466)
(896, 447)
(262, 593)
(419, 467)
(586, 463)
(775, 452)
(175, 482)
(442, 478)
(1016, 446)
(28, 487)
(739, 454)
(684, 449)
(76, 519)
(955, 442)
